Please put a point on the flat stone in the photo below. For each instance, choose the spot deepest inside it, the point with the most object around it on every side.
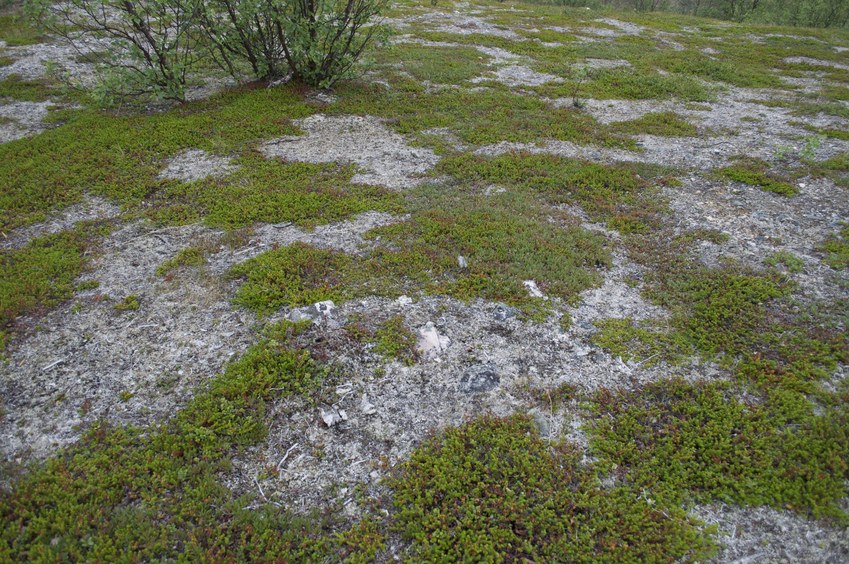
(504, 312)
(479, 378)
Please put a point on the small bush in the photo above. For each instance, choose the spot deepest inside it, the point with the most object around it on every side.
(317, 42)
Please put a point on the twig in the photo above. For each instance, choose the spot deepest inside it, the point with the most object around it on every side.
(646, 360)
(262, 493)
(285, 456)
(52, 364)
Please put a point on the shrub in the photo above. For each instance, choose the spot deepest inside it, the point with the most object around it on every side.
(154, 45)
(150, 42)
(318, 41)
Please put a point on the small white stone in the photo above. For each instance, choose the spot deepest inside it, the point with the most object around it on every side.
(366, 406)
(430, 341)
(533, 289)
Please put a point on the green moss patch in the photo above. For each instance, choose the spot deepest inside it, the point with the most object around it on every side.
(616, 195)
(504, 239)
(836, 250)
(292, 276)
(42, 273)
(271, 191)
(391, 338)
(755, 173)
(700, 442)
(188, 257)
(120, 157)
(15, 30)
(788, 260)
(668, 124)
(16, 88)
(492, 490)
(437, 65)
(645, 343)
(479, 117)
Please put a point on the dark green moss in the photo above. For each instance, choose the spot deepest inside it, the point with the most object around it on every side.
(492, 490)
(667, 124)
(699, 441)
(755, 173)
(42, 273)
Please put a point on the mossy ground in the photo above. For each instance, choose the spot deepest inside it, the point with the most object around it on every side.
(43, 273)
(492, 490)
(773, 432)
(755, 173)
(149, 494)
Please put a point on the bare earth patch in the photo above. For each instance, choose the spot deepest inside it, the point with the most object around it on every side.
(195, 164)
(384, 157)
(24, 119)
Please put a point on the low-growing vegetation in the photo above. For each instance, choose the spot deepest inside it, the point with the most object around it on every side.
(524, 260)
(836, 250)
(493, 490)
(755, 173)
(42, 273)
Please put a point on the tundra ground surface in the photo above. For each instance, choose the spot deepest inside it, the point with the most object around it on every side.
(542, 283)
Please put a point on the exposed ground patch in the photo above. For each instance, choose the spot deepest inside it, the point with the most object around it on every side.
(384, 156)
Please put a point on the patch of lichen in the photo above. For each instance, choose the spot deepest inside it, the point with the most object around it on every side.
(492, 490)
